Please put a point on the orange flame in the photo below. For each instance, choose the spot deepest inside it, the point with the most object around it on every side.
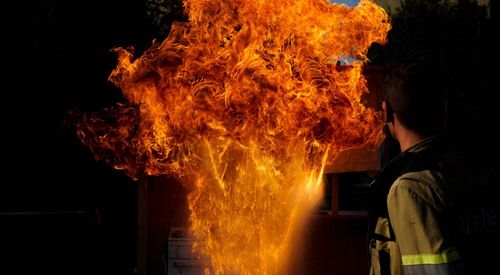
(245, 104)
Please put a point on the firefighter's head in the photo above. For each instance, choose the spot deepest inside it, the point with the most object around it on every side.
(414, 99)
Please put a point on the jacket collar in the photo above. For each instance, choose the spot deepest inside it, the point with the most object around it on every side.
(423, 144)
(416, 148)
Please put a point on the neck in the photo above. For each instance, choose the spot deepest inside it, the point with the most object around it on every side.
(408, 138)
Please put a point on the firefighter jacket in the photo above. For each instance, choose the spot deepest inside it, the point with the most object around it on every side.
(412, 222)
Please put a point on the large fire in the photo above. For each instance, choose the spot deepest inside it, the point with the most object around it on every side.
(245, 105)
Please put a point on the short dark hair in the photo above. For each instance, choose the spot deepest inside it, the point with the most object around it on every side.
(416, 94)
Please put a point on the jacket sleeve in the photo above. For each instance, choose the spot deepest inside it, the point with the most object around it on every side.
(416, 213)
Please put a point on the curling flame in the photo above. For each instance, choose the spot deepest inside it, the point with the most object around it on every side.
(245, 104)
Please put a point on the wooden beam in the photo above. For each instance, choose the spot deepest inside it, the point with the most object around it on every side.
(355, 160)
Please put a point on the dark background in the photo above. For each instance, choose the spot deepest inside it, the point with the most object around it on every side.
(62, 212)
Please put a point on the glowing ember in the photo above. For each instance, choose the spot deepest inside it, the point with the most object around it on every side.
(245, 105)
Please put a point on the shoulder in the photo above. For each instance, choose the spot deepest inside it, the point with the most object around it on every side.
(424, 186)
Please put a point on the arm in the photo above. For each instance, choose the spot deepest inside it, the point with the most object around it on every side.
(415, 211)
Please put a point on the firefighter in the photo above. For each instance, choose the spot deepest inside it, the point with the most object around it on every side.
(413, 221)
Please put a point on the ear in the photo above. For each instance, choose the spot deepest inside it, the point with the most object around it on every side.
(389, 114)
